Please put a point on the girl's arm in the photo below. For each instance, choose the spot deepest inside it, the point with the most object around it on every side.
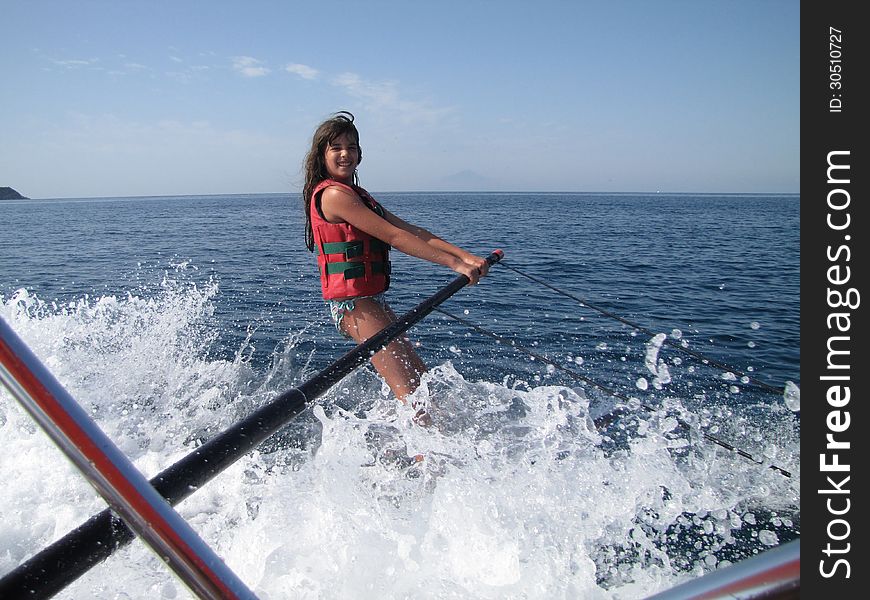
(341, 205)
(436, 242)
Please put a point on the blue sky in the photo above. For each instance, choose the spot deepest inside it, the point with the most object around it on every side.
(123, 98)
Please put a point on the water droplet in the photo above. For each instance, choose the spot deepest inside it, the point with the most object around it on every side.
(768, 538)
(792, 396)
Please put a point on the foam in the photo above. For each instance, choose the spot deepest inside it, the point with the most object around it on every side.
(518, 494)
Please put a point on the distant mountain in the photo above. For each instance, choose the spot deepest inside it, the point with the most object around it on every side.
(7, 193)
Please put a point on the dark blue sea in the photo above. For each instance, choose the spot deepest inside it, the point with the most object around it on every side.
(169, 318)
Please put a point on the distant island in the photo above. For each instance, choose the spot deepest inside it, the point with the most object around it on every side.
(7, 193)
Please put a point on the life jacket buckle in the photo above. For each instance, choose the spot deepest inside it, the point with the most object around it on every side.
(357, 270)
(354, 249)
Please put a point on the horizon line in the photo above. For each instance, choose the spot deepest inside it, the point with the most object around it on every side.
(487, 192)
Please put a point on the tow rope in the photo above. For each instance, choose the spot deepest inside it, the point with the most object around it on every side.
(668, 341)
(604, 420)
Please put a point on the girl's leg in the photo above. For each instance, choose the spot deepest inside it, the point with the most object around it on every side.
(398, 363)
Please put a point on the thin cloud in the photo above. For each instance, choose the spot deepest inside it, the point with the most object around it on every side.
(75, 63)
(381, 94)
(180, 76)
(248, 66)
(304, 71)
(386, 96)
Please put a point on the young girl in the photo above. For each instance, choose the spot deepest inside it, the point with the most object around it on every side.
(351, 234)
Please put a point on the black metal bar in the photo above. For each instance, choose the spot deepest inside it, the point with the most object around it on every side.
(67, 559)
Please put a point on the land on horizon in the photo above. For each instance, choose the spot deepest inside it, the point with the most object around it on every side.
(7, 193)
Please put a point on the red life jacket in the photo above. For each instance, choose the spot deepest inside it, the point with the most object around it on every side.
(351, 262)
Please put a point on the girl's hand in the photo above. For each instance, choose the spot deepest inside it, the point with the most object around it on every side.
(469, 270)
(478, 263)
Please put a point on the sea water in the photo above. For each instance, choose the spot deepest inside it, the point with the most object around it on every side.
(170, 318)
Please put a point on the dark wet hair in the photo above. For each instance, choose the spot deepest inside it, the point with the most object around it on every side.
(341, 123)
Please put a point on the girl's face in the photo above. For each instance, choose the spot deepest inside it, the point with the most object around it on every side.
(341, 158)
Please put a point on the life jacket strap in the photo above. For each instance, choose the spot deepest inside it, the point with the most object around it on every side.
(352, 270)
(352, 249)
